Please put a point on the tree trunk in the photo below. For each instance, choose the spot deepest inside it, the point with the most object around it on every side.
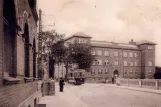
(66, 66)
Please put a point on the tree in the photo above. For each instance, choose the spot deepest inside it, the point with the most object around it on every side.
(49, 38)
(59, 52)
(80, 54)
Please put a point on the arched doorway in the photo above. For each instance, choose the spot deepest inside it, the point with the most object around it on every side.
(34, 58)
(115, 75)
(27, 51)
(10, 23)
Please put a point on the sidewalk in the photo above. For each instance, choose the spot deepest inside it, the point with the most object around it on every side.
(136, 89)
(62, 99)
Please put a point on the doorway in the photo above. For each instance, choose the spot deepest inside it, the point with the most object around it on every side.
(115, 75)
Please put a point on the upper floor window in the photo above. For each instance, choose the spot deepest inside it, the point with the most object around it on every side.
(125, 63)
(99, 71)
(106, 62)
(116, 63)
(93, 72)
(115, 53)
(94, 63)
(106, 71)
(130, 54)
(106, 53)
(125, 54)
(99, 62)
(136, 64)
(93, 52)
(135, 55)
(150, 71)
(150, 63)
(99, 52)
(150, 47)
(131, 71)
(131, 64)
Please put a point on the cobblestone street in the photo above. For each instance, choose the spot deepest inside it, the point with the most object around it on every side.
(100, 95)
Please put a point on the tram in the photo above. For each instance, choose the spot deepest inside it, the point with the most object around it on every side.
(76, 77)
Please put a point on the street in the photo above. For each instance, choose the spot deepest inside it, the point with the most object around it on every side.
(100, 95)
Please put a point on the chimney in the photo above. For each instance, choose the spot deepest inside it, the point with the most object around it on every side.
(132, 42)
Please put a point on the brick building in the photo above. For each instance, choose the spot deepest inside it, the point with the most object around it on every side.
(18, 35)
(132, 60)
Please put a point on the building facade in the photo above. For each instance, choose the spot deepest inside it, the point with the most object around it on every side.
(18, 35)
(133, 60)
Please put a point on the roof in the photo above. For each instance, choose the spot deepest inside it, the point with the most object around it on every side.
(78, 34)
(105, 44)
(145, 42)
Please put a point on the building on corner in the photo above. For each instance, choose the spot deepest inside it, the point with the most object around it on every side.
(133, 60)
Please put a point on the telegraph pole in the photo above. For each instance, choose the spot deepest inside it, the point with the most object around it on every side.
(40, 70)
(1, 42)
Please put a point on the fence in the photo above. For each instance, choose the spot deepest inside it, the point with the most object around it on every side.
(142, 83)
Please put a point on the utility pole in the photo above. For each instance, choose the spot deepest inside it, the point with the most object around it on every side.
(1, 41)
(40, 70)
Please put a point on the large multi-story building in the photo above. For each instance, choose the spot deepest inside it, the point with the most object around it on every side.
(18, 35)
(133, 60)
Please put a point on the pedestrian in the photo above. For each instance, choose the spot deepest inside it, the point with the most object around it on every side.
(61, 84)
(112, 80)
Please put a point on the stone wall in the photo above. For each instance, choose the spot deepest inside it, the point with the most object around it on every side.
(12, 96)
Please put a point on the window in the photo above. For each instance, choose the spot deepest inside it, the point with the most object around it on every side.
(99, 52)
(131, 64)
(136, 64)
(116, 63)
(125, 54)
(106, 62)
(84, 41)
(149, 63)
(93, 72)
(93, 52)
(130, 54)
(135, 55)
(150, 47)
(150, 71)
(99, 62)
(94, 63)
(106, 71)
(125, 63)
(131, 71)
(115, 53)
(106, 53)
(99, 71)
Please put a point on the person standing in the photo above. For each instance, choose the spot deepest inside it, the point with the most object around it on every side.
(61, 84)
(113, 80)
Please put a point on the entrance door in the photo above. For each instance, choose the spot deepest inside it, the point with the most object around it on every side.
(115, 74)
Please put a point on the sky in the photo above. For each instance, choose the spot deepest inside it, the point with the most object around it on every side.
(106, 20)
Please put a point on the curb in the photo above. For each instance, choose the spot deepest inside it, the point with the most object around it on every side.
(135, 89)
